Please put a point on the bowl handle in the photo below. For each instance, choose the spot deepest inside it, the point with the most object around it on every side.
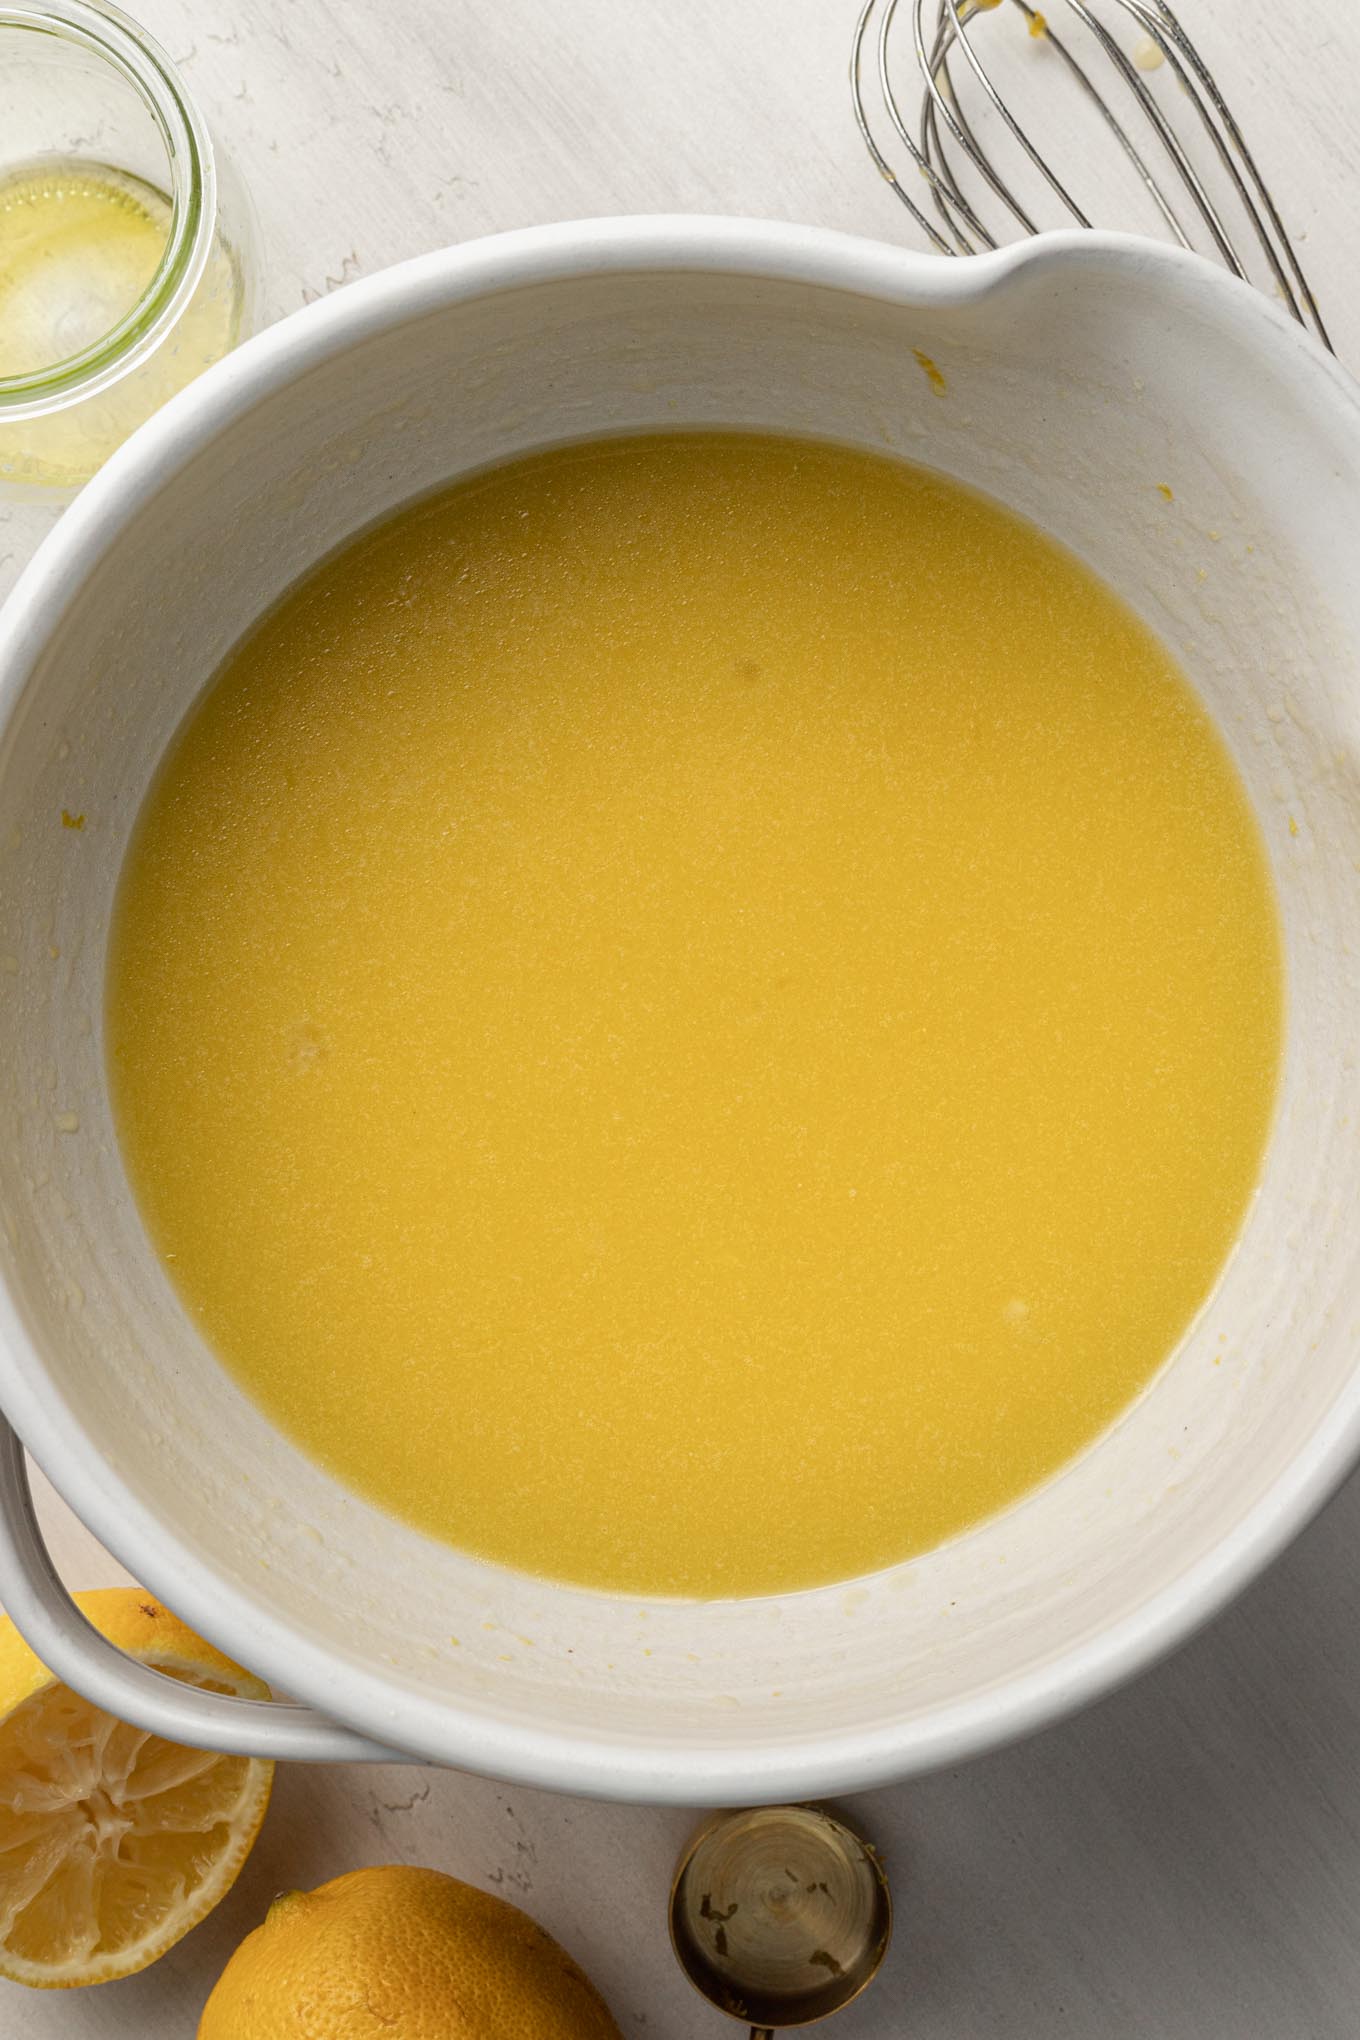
(49, 1620)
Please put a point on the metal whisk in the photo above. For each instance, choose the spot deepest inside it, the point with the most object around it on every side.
(985, 178)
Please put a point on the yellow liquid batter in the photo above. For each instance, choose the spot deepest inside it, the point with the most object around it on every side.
(696, 1014)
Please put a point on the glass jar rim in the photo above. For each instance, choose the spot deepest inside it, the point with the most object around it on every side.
(126, 47)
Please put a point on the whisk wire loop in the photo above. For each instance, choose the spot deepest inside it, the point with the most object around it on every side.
(966, 128)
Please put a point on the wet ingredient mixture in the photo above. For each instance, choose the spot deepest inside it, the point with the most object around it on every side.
(696, 1014)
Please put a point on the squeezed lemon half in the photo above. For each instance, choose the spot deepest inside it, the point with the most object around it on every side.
(113, 1842)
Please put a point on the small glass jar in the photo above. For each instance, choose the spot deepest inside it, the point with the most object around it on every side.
(127, 246)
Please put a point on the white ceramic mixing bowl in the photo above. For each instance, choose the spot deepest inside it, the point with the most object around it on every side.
(1085, 376)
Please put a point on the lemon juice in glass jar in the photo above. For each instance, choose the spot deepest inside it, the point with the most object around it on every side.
(126, 244)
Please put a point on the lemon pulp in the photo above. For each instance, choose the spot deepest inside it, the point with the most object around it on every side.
(697, 1013)
(113, 1842)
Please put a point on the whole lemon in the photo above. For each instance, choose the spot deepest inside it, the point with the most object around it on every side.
(401, 1954)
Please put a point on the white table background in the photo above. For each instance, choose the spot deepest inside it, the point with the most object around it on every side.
(1183, 1860)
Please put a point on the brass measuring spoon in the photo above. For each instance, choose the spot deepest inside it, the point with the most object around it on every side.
(780, 1915)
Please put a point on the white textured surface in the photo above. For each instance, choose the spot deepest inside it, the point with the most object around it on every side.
(1182, 1860)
